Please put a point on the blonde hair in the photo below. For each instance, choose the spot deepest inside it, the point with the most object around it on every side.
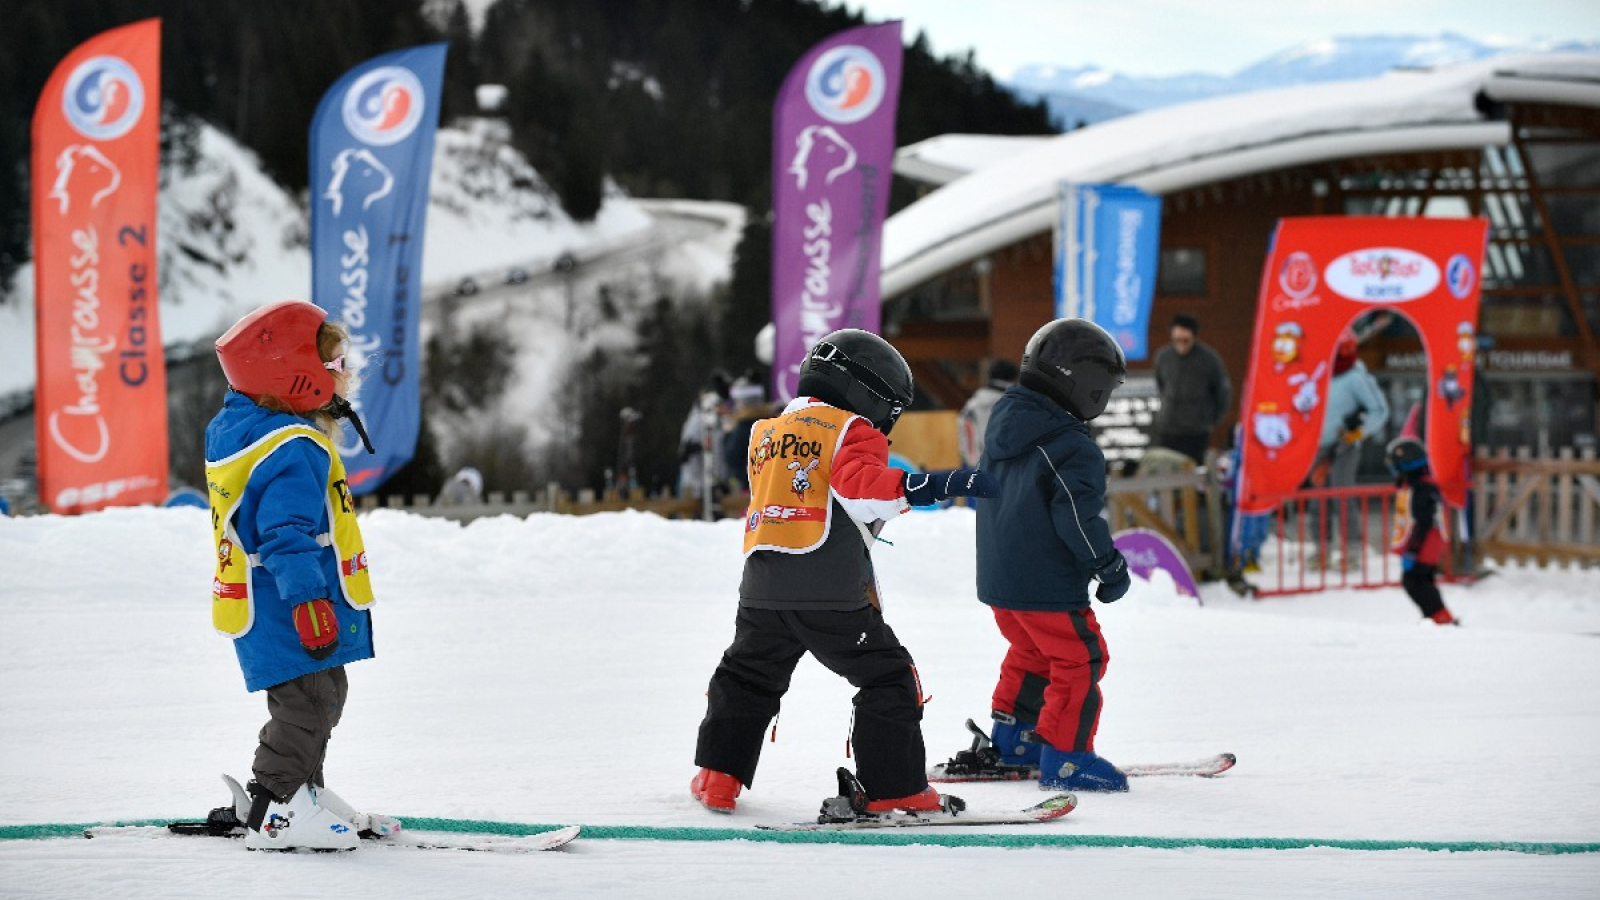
(333, 340)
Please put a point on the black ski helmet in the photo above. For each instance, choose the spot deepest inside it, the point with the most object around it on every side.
(1405, 454)
(1075, 363)
(858, 371)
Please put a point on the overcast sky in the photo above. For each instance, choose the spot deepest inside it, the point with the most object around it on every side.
(1168, 37)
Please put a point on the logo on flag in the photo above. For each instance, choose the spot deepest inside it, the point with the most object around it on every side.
(103, 98)
(384, 106)
(846, 84)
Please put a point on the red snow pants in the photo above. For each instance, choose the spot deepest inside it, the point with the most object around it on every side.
(1067, 650)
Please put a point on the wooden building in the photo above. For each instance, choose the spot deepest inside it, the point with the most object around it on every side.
(969, 268)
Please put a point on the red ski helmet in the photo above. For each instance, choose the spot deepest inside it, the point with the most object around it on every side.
(272, 352)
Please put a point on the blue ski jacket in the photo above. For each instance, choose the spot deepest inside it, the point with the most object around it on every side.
(283, 509)
(1039, 540)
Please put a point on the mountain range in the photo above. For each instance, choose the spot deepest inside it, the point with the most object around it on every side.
(1089, 94)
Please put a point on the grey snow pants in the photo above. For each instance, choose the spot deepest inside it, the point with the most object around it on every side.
(294, 741)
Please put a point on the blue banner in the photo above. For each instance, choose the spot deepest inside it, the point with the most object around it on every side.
(1106, 254)
(371, 155)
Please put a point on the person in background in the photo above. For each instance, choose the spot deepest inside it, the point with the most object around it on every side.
(1355, 411)
(291, 584)
(821, 489)
(464, 487)
(974, 419)
(748, 400)
(1418, 533)
(699, 463)
(1042, 543)
(1194, 389)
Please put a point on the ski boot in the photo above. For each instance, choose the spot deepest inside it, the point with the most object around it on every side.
(1011, 754)
(298, 822)
(715, 790)
(852, 805)
(1060, 770)
(367, 825)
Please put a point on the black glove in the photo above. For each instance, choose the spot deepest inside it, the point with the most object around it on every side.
(928, 488)
(1111, 571)
(1352, 422)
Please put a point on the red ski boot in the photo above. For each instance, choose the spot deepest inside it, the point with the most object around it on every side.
(715, 791)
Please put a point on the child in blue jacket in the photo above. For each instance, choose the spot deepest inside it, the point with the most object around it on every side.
(1041, 543)
(291, 585)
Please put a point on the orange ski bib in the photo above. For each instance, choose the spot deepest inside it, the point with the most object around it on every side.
(791, 461)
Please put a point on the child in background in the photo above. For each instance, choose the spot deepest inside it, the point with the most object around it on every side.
(291, 585)
(821, 488)
(1418, 535)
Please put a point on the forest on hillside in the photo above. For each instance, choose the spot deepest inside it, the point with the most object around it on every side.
(670, 98)
(666, 98)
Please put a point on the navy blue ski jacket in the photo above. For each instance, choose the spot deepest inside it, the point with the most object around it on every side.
(1038, 541)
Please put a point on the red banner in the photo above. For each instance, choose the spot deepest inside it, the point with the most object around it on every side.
(1323, 273)
(100, 404)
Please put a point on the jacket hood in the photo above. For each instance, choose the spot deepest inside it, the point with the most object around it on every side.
(1023, 419)
(241, 423)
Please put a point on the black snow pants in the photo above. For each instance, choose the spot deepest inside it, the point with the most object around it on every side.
(1423, 589)
(857, 645)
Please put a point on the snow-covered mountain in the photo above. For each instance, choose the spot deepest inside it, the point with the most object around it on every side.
(1094, 93)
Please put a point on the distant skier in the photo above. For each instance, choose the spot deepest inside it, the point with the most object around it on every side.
(1041, 542)
(808, 583)
(974, 418)
(1418, 535)
(291, 582)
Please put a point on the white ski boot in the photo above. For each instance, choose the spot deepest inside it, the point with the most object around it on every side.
(366, 824)
(299, 823)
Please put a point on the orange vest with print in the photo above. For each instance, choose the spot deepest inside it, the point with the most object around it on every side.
(232, 606)
(791, 461)
(1433, 543)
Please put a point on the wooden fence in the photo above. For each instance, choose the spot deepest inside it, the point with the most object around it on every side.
(1537, 509)
(1544, 510)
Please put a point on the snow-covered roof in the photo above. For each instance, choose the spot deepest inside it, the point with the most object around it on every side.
(946, 157)
(1012, 196)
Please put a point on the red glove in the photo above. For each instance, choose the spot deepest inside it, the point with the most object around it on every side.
(318, 627)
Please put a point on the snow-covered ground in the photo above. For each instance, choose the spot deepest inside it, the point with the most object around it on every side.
(552, 670)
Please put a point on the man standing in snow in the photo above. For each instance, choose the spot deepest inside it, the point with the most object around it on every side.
(820, 490)
(1195, 391)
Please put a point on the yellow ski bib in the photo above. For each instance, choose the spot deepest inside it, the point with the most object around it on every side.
(791, 461)
(232, 603)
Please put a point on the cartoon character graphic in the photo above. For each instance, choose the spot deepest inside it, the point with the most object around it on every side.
(82, 169)
(1450, 388)
(765, 450)
(358, 165)
(833, 154)
(1466, 343)
(1306, 397)
(1286, 342)
(224, 555)
(802, 483)
(1271, 428)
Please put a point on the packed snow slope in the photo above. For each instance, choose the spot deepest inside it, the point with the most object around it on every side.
(553, 669)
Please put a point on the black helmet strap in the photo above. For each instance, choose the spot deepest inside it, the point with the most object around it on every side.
(341, 409)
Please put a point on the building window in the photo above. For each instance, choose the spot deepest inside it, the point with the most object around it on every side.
(1182, 272)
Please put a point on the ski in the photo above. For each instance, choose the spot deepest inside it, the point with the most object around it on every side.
(1048, 810)
(1204, 767)
(415, 840)
(981, 763)
(846, 812)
